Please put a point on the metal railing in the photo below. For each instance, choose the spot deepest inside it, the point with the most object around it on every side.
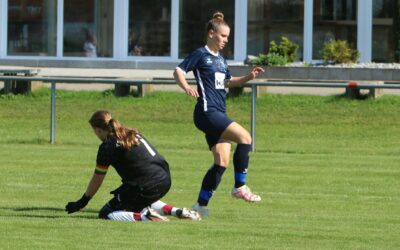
(352, 85)
(138, 82)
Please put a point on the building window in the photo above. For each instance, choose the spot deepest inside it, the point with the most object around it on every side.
(334, 20)
(32, 27)
(270, 20)
(149, 28)
(383, 30)
(88, 28)
(194, 15)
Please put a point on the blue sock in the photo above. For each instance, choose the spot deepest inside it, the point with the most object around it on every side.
(210, 183)
(241, 163)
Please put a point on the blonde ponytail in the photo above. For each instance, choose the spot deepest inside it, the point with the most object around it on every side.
(126, 136)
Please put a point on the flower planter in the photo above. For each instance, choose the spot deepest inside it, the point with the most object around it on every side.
(335, 74)
(325, 74)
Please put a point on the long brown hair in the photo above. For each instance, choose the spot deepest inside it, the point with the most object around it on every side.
(126, 136)
(216, 21)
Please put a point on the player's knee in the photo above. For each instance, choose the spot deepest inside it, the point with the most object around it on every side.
(221, 159)
(222, 162)
(245, 139)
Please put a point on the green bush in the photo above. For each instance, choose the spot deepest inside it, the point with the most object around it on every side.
(286, 48)
(275, 59)
(271, 59)
(281, 54)
(261, 59)
(339, 51)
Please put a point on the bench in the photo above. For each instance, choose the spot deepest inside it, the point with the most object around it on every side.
(18, 86)
(144, 89)
(354, 91)
(124, 89)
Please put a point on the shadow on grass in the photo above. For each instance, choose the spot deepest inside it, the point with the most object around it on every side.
(345, 97)
(31, 213)
(130, 93)
(36, 141)
(45, 141)
(18, 209)
(50, 216)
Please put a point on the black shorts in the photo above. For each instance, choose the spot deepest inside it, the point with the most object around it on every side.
(134, 198)
(213, 123)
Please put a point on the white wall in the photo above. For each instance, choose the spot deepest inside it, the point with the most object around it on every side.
(308, 31)
(364, 30)
(3, 28)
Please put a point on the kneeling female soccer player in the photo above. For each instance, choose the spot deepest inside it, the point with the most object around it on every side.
(144, 172)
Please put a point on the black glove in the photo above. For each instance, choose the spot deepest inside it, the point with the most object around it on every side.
(74, 206)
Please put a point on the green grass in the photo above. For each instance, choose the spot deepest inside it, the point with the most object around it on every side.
(326, 167)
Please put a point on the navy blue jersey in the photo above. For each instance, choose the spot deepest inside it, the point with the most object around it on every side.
(211, 72)
(140, 166)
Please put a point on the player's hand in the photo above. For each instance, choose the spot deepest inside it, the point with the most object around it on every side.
(191, 92)
(75, 206)
(255, 72)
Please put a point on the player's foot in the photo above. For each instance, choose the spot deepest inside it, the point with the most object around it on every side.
(149, 214)
(202, 210)
(189, 214)
(245, 193)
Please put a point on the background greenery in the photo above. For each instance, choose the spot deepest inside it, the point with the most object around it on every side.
(326, 167)
(339, 51)
(278, 55)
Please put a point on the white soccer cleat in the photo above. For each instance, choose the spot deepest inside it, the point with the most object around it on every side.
(245, 194)
(201, 210)
(149, 214)
(188, 214)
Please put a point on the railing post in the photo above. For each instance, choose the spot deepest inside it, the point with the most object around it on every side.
(53, 113)
(253, 116)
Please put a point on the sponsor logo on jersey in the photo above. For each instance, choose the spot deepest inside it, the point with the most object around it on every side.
(219, 80)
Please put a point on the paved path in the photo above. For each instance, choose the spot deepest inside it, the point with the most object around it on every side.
(138, 73)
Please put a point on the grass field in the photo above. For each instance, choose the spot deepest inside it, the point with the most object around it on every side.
(326, 167)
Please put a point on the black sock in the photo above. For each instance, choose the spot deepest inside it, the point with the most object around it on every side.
(210, 183)
(241, 163)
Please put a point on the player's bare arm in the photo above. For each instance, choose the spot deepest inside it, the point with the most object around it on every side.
(181, 81)
(238, 81)
(94, 184)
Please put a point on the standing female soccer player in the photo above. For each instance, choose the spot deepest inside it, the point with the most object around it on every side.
(212, 76)
(144, 173)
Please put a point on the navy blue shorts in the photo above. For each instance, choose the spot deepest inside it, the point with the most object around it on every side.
(212, 123)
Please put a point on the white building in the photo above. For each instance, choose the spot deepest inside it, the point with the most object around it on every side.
(154, 32)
